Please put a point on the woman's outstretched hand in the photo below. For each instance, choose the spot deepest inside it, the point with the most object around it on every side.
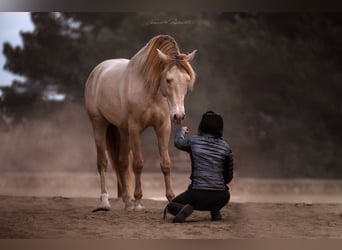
(185, 129)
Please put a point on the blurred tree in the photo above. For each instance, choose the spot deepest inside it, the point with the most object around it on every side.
(50, 54)
(275, 77)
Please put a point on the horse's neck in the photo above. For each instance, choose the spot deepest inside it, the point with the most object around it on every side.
(139, 57)
(136, 64)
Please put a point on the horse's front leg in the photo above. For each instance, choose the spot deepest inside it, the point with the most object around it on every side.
(163, 135)
(138, 164)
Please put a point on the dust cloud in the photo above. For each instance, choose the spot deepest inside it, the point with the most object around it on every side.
(60, 142)
(56, 155)
(63, 142)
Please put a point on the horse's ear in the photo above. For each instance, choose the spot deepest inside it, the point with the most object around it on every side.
(191, 56)
(164, 58)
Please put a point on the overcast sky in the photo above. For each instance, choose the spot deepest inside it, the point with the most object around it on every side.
(11, 23)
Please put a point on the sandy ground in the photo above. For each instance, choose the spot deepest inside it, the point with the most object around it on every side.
(60, 206)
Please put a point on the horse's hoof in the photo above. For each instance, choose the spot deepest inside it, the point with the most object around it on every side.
(104, 202)
(139, 208)
(129, 208)
(170, 197)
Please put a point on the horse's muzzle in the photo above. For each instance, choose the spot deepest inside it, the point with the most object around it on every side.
(178, 118)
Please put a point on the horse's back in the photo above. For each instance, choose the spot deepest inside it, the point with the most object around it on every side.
(102, 90)
(109, 70)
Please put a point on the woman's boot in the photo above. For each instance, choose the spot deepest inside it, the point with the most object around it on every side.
(183, 214)
(180, 211)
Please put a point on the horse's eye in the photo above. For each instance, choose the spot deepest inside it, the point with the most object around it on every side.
(168, 81)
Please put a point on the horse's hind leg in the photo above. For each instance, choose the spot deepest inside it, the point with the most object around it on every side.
(99, 127)
(118, 152)
(124, 169)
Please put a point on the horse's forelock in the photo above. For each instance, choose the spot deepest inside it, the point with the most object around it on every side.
(153, 66)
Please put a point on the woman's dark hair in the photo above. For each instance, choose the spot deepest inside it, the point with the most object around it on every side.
(211, 123)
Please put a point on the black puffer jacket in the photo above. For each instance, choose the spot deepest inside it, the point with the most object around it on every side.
(211, 160)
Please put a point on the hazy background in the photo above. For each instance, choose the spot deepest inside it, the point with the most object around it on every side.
(274, 77)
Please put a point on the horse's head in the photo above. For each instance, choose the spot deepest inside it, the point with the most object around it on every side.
(176, 79)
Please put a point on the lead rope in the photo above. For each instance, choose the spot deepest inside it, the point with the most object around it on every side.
(165, 211)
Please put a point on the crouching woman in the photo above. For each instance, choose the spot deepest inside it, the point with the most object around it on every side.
(211, 170)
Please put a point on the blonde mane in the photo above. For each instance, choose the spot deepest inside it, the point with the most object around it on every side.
(153, 67)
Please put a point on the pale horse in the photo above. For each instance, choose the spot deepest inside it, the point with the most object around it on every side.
(123, 97)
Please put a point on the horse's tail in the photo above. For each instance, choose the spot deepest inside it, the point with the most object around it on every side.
(113, 148)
